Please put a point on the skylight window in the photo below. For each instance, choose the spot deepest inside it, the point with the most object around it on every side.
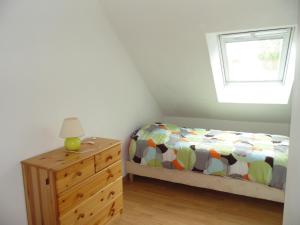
(253, 66)
(255, 56)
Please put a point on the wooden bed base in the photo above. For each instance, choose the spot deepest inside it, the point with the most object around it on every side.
(224, 184)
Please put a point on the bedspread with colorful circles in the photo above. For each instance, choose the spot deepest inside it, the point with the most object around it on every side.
(255, 157)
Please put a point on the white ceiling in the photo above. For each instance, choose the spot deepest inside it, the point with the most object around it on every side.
(166, 40)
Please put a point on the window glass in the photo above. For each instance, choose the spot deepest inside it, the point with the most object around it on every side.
(255, 56)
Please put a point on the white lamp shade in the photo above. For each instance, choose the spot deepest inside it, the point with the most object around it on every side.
(71, 127)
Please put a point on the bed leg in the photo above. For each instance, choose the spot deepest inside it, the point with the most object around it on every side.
(131, 176)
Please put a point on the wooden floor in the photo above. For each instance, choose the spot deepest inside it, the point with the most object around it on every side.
(153, 202)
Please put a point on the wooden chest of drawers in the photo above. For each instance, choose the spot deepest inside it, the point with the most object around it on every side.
(64, 188)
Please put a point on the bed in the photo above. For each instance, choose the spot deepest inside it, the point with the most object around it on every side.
(250, 164)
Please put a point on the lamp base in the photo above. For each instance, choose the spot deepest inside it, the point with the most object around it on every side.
(72, 144)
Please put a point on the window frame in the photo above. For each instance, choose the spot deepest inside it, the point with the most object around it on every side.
(251, 92)
(285, 34)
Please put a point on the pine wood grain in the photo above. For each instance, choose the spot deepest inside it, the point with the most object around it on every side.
(153, 202)
(74, 174)
(59, 159)
(65, 188)
(107, 157)
(28, 193)
(84, 212)
(76, 195)
(36, 195)
(48, 204)
(109, 213)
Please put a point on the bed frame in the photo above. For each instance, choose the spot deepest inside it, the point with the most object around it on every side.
(224, 184)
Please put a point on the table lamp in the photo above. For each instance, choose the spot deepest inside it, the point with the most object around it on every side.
(71, 130)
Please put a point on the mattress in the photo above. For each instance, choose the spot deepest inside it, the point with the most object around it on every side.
(254, 157)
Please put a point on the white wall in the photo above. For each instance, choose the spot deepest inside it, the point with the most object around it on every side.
(274, 128)
(292, 199)
(60, 58)
(167, 41)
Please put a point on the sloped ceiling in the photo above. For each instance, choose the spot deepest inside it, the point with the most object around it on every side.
(166, 40)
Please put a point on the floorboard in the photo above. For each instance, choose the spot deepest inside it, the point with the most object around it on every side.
(153, 202)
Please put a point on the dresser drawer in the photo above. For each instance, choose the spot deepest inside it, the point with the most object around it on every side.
(74, 174)
(92, 206)
(63, 188)
(107, 157)
(79, 193)
(108, 213)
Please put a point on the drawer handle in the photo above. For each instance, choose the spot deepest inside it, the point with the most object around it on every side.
(112, 193)
(81, 215)
(108, 158)
(79, 173)
(79, 195)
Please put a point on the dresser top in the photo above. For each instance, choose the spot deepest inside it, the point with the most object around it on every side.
(59, 159)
